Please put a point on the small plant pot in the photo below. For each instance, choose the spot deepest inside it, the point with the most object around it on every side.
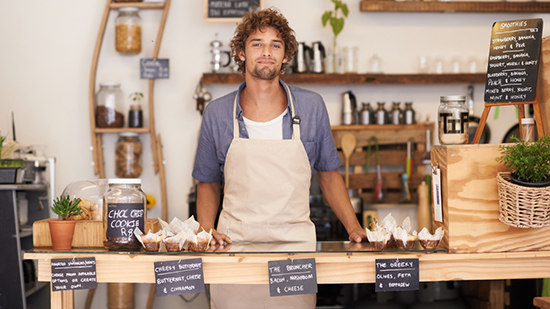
(62, 233)
(515, 180)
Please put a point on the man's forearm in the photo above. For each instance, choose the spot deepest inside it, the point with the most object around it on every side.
(208, 201)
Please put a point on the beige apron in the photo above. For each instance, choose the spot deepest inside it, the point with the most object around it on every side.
(266, 198)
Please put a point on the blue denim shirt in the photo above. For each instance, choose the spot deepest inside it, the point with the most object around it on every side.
(217, 132)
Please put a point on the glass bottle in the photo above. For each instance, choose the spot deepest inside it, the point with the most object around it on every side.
(125, 210)
(366, 114)
(409, 114)
(396, 113)
(527, 129)
(135, 116)
(128, 151)
(380, 115)
(128, 31)
(453, 120)
(109, 100)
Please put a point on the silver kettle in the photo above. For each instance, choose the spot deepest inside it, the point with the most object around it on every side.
(302, 58)
(217, 53)
(317, 57)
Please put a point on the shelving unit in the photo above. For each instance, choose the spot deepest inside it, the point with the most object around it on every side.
(96, 133)
(455, 6)
(340, 79)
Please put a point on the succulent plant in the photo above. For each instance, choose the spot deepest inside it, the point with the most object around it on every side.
(66, 208)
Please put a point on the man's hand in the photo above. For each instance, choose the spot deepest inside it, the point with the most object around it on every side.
(218, 238)
(358, 234)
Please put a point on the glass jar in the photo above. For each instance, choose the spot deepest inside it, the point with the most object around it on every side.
(396, 113)
(109, 100)
(528, 129)
(453, 120)
(128, 151)
(409, 114)
(91, 194)
(128, 31)
(125, 210)
(135, 117)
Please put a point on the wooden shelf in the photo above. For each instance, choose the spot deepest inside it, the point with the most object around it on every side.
(120, 130)
(340, 79)
(459, 6)
(140, 5)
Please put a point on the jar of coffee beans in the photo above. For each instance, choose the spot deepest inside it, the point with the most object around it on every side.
(128, 31)
(109, 100)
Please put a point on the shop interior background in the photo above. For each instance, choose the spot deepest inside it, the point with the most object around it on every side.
(45, 60)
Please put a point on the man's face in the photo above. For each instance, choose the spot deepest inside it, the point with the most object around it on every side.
(264, 54)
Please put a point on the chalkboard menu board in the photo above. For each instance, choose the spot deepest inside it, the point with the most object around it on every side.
(396, 275)
(292, 277)
(223, 10)
(179, 277)
(154, 68)
(73, 274)
(124, 218)
(513, 65)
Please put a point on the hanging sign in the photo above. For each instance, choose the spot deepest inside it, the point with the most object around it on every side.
(396, 275)
(179, 277)
(292, 277)
(230, 10)
(514, 58)
(73, 274)
(154, 68)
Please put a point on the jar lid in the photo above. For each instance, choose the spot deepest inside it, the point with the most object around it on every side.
(109, 84)
(527, 121)
(447, 98)
(129, 134)
(128, 9)
(124, 181)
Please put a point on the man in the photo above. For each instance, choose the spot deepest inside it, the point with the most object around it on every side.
(264, 140)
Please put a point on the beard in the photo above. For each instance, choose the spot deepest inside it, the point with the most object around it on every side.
(265, 73)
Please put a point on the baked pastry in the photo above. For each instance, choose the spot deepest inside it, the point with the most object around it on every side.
(429, 241)
(199, 242)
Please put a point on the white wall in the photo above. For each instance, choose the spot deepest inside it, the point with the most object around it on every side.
(46, 50)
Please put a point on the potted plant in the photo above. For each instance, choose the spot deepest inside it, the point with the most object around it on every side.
(336, 22)
(524, 193)
(10, 169)
(62, 229)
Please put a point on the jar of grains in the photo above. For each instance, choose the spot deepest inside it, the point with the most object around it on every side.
(125, 211)
(453, 120)
(109, 99)
(128, 31)
(128, 151)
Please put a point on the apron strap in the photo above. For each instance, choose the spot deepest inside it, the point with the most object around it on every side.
(295, 119)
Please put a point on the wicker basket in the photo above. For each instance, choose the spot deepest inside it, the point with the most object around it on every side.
(523, 207)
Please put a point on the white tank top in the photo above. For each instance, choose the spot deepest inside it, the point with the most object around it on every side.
(272, 129)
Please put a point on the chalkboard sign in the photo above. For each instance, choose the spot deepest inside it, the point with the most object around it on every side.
(73, 274)
(124, 218)
(154, 68)
(513, 65)
(292, 277)
(230, 10)
(179, 277)
(396, 275)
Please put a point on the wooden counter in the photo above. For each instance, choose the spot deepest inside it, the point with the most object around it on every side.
(332, 267)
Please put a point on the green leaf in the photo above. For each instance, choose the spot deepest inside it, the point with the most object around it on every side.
(344, 8)
(326, 17)
(337, 25)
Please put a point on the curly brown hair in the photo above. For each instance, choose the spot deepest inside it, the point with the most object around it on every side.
(259, 20)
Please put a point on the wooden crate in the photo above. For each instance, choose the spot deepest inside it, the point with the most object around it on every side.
(87, 233)
(393, 152)
(470, 203)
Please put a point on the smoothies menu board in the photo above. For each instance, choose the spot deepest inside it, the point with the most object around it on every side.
(223, 9)
(514, 58)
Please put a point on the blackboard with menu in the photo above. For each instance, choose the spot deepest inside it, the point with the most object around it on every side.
(514, 58)
(230, 10)
(396, 275)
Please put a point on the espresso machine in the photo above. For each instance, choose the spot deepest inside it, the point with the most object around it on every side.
(217, 55)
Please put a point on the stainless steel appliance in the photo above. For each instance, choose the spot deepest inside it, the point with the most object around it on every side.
(317, 57)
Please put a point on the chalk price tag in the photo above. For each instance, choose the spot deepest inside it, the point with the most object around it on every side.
(396, 275)
(154, 68)
(179, 277)
(292, 277)
(73, 274)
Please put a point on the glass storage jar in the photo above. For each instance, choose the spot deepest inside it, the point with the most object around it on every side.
(128, 31)
(91, 194)
(109, 99)
(128, 151)
(453, 120)
(125, 211)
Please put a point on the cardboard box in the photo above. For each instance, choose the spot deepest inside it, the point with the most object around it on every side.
(470, 203)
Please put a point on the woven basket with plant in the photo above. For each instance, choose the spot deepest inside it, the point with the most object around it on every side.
(524, 194)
